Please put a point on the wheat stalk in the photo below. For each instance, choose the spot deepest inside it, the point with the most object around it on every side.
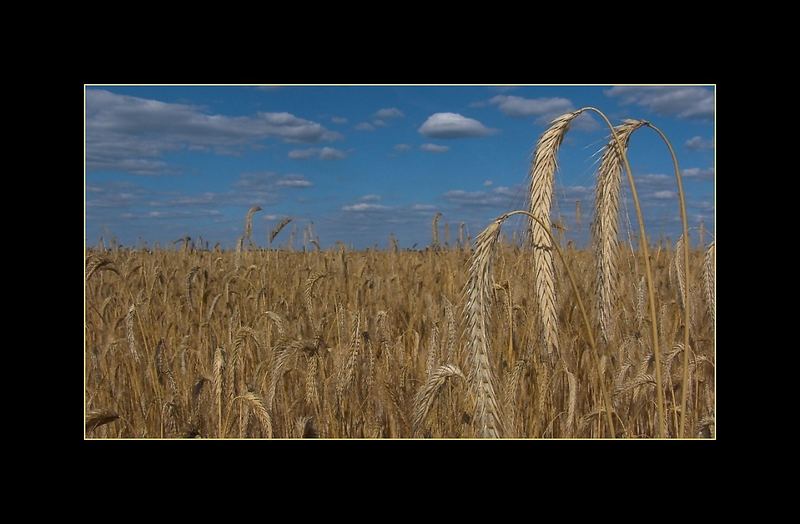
(710, 280)
(679, 273)
(95, 263)
(95, 419)
(189, 282)
(277, 229)
(248, 223)
(478, 291)
(435, 231)
(429, 392)
(542, 174)
(218, 380)
(348, 368)
(129, 330)
(262, 415)
(606, 217)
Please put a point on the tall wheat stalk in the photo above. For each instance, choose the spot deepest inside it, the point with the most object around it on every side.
(429, 392)
(686, 277)
(435, 231)
(595, 353)
(710, 279)
(277, 229)
(542, 176)
(606, 218)
(478, 292)
(248, 223)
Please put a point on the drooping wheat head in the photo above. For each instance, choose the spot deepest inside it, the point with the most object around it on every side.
(710, 279)
(430, 390)
(606, 218)
(542, 176)
(248, 223)
(478, 293)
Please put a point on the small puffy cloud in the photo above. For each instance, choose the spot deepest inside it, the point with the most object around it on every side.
(498, 197)
(434, 148)
(329, 153)
(545, 108)
(453, 125)
(423, 207)
(365, 126)
(338, 120)
(401, 148)
(681, 102)
(303, 154)
(325, 153)
(270, 217)
(293, 181)
(370, 198)
(664, 195)
(487, 183)
(698, 173)
(264, 184)
(388, 113)
(698, 143)
(364, 208)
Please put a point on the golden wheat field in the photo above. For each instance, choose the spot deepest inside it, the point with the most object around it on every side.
(373, 345)
(504, 336)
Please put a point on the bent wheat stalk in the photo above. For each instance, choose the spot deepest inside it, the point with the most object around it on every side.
(428, 393)
(606, 218)
(248, 223)
(685, 289)
(542, 172)
(477, 293)
(709, 280)
(586, 323)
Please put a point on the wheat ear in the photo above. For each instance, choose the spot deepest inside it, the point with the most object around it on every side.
(478, 292)
(709, 281)
(542, 175)
(606, 217)
(248, 223)
(429, 392)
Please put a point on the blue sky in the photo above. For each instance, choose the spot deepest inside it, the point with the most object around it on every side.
(364, 162)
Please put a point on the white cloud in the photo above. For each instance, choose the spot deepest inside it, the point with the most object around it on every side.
(127, 133)
(330, 153)
(338, 120)
(264, 184)
(681, 102)
(698, 143)
(293, 182)
(453, 125)
(664, 195)
(325, 153)
(365, 126)
(698, 173)
(423, 207)
(434, 148)
(401, 148)
(363, 207)
(370, 198)
(389, 112)
(487, 183)
(546, 108)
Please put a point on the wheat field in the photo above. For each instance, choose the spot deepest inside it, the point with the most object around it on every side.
(373, 345)
(497, 337)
